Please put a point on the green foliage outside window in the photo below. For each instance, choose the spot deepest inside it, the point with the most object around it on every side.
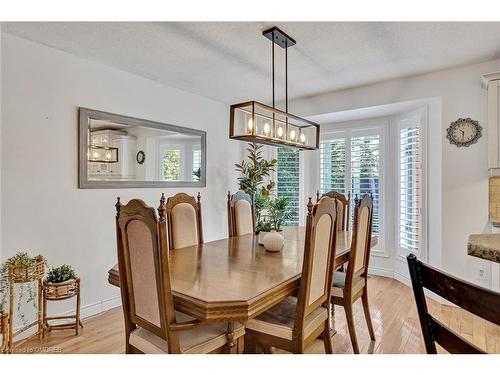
(172, 165)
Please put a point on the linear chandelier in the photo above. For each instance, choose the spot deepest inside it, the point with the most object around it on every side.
(260, 123)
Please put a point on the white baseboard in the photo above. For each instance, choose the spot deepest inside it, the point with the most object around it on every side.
(86, 311)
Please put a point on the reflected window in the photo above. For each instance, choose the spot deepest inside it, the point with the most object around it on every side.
(172, 165)
(196, 165)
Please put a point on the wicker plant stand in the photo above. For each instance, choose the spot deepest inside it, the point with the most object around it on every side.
(59, 292)
(4, 331)
(19, 275)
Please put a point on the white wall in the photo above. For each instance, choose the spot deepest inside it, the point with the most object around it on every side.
(43, 209)
(462, 192)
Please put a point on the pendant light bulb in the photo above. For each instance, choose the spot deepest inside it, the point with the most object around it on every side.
(280, 132)
(303, 138)
(267, 129)
(250, 125)
(292, 135)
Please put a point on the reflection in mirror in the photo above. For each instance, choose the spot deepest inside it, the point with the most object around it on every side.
(131, 152)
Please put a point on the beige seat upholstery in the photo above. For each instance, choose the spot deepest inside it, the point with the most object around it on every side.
(297, 321)
(203, 339)
(351, 285)
(184, 221)
(280, 319)
(240, 213)
(152, 324)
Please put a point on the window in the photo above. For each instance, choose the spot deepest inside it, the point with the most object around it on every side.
(171, 165)
(410, 189)
(350, 161)
(196, 165)
(289, 182)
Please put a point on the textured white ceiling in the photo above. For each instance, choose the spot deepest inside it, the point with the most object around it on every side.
(230, 62)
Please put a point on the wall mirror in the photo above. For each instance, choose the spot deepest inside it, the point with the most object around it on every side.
(125, 152)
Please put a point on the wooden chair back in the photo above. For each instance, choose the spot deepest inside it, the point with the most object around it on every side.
(146, 292)
(184, 220)
(240, 214)
(319, 258)
(343, 207)
(477, 300)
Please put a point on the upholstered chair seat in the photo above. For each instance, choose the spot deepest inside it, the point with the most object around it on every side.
(280, 319)
(202, 339)
(339, 279)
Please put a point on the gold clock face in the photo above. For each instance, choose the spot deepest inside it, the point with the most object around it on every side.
(464, 132)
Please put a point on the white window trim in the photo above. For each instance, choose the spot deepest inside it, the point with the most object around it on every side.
(423, 253)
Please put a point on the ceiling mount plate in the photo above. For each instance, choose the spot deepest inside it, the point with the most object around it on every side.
(274, 34)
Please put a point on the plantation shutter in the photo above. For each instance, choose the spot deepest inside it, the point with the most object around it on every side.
(333, 166)
(410, 173)
(365, 172)
(289, 182)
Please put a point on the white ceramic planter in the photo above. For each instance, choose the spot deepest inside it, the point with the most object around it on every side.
(260, 237)
(273, 241)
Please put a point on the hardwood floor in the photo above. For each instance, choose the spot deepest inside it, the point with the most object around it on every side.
(394, 316)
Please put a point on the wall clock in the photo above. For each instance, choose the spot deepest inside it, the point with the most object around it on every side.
(464, 132)
(140, 157)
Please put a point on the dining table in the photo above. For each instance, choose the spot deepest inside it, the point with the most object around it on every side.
(235, 279)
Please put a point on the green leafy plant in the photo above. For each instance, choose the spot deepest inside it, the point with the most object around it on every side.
(20, 261)
(254, 171)
(277, 212)
(264, 225)
(197, 174)
(60, 274)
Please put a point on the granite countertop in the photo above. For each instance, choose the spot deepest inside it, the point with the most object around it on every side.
(485, 246)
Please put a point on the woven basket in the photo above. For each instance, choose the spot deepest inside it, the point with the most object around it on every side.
(59, 291)
(28, 274)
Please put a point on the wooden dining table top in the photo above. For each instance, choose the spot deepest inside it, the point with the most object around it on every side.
(235, 278)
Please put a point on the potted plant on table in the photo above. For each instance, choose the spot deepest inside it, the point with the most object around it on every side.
(270, 234)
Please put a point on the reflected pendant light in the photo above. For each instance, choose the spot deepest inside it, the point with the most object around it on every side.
(260, 123)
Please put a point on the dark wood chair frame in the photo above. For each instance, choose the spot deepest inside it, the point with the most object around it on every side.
(298, 343)
(231, 217)
(183, 198)
(475, 299)
(352, 276)
(342, 200)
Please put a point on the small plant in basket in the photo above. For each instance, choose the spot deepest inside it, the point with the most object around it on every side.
(61, 283)
(60, 274)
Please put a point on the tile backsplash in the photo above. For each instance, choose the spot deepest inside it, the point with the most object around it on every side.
(494, 199)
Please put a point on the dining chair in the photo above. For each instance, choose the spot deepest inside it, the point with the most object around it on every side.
(152, 324)
(475, 299)
(343, 207)
(351, 285)
(184, 220)
(295, 322)
(240, 214)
